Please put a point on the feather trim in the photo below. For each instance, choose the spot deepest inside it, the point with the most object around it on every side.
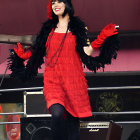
(108, 51)
(77, 27)
(38, 50)
(16, 65)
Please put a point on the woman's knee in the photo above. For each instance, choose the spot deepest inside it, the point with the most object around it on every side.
(57, 115)
(57, 111)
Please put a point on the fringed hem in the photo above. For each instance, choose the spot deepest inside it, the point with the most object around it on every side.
(79, 115)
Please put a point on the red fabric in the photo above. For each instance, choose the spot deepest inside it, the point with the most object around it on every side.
(49, 9)
(107, 31)
(65, 83)
(21, 53)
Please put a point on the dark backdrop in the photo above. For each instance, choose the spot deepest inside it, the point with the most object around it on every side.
(25, 17)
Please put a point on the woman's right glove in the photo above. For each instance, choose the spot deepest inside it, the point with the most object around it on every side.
(21, 53)
(106, 32)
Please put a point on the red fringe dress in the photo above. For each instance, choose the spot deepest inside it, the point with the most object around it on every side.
(65, 83)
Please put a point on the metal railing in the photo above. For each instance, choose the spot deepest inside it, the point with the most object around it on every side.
(89, 89)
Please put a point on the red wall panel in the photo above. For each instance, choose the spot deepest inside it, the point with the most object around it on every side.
(25, 17)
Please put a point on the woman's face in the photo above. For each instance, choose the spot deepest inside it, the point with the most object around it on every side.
(58, 8)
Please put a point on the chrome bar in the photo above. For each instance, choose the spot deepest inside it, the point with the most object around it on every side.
(13, 113)
(116, 113)
(121, 122)
(94, 113)
(38, 115)
(21, 89)
(127, 122)
(3, 123)
(97, 88)
(112, 88)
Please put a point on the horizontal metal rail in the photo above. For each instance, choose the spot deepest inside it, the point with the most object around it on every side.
(3, 123)
(94, 113)
(116, 113)
(128, 122)
(90, 89)
(114, 88)
(38, 115)
(118, 122)
(21, 89)
(13, 113)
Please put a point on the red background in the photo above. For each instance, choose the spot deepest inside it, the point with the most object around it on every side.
(26, 16)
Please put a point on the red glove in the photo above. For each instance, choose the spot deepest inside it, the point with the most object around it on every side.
(107, 31)
(21, 53)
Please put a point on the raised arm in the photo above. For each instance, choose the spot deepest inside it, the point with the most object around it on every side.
(21, 53)
(106, 32)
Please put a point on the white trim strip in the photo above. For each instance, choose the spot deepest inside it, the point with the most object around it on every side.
(97, 88)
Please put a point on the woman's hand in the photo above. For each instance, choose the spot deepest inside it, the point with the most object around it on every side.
(107, 31)
(21, 53)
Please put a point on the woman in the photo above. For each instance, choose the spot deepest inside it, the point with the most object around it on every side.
(63, 40)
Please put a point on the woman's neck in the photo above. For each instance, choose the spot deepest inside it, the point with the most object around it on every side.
(64, 19)
(62, 24)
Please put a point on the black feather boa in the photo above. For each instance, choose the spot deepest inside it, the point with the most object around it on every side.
(77, 27)
(16, 65)
(108, 51)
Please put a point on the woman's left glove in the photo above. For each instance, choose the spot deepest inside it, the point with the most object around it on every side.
(21, 53)
(106, 32)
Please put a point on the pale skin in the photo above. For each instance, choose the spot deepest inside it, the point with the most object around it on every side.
(58, 8)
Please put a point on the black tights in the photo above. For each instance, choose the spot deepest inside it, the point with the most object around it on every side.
(63, 129)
